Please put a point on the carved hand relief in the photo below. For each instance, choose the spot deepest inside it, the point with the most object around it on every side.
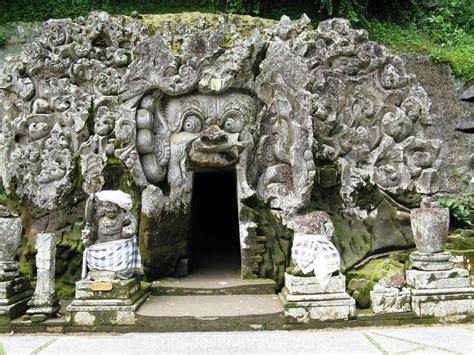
(272, 104)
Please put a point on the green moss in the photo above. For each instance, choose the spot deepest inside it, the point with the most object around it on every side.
(245, 24)
(461, 239)
(65, 291)
(362, 280)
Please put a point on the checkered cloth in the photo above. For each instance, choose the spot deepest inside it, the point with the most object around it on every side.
(312, 252)
(121, 256)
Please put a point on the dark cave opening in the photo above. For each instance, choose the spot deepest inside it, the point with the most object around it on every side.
(215, 225)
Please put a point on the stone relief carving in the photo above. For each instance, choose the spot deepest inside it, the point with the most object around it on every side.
(273, 104)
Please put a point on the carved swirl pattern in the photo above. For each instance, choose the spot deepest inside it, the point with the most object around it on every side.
(329, 95)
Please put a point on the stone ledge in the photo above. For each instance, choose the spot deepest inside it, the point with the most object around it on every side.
(97, 314)
(443, 302)
(309, 285)
(15, 310)
(322, 307)
(454, 278)
(123, 289)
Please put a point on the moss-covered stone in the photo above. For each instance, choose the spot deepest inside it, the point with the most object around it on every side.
(173, 22)
(362, 280)
(461, 239)
(384, 228)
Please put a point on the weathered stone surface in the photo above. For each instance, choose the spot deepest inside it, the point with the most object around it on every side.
(454, 278)
(443, 302)
(15, 290)
(114, 307)
(282, 100)
(12, 289)
(430, 228)
(123, 289)
(444, 90)
(431, 261)
(390, 300)
(298, 285)
(305, 300)
(432, 265)
(393, 280)
(317, 307)
(363, 279)
(44, 300)
(10, 234)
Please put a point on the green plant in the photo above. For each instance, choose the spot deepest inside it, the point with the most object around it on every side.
(3, 39)
(459, 210)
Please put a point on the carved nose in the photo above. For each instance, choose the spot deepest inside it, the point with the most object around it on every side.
(213, 136)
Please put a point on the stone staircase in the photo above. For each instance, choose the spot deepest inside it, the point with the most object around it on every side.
(199, 303)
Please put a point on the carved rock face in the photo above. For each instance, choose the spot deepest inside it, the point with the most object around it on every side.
(213, 124)
(111, 221)
(297, 111)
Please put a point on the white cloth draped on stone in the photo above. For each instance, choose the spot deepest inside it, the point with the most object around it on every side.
(120, 198)
(312, 252)
(121, 256)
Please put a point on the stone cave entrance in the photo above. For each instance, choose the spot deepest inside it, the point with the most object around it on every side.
(214, 244)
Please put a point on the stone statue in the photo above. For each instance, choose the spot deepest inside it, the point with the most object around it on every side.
(110, 236)
(44, 301)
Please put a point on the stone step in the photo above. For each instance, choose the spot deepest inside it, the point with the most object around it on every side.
(211, 313)
(213, 286)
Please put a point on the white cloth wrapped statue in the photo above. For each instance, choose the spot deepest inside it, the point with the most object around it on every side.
(110, 235)
(312, 248)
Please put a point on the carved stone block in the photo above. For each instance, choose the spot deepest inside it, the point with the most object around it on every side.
(14, 297)
(307, 301)
(390, 300)
(454, 278)
(443, 302)
(431, 261)
(299, 285)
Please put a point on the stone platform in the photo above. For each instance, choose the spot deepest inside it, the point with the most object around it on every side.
(195, 285)
(106, 303)
(441, 293)
(211, 312)
(305, 301)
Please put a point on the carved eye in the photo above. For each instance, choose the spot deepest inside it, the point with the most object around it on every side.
(233, 123)
(192, 124)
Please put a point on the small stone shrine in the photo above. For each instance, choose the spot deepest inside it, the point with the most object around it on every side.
(15, 290)
(44, 302)
(438, 289)
(321, 297)
(110, 291)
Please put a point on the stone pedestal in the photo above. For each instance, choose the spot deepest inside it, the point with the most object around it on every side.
(304, 300)
(44, 303)
(15, 291)
(385, 300)
(106, 302)
(441, 293)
